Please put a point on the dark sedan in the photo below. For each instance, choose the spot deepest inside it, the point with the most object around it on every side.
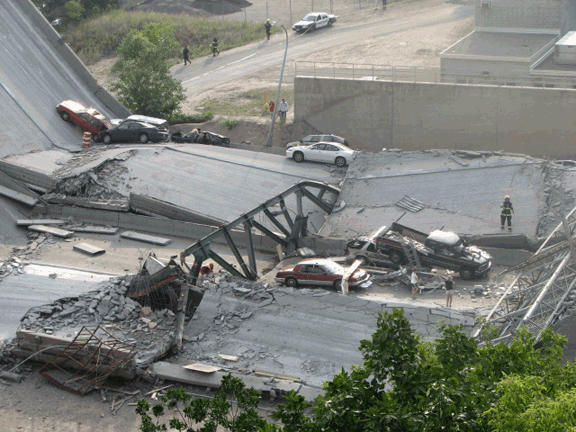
(209, 138)
(134, 131)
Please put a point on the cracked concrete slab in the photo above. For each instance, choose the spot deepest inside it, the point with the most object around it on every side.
(465, 199)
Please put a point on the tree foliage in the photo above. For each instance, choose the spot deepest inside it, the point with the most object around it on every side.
(145, 85)
(74, 10)
(451, 384)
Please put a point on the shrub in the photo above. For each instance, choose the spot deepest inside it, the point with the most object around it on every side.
(179, 118)
(230, 123)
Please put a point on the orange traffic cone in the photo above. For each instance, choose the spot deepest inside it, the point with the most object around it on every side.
(87, 140)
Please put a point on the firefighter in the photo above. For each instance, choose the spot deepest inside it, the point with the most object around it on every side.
(506, 214)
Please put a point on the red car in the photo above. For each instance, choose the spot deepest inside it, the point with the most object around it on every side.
(319, 272)
(88, 119)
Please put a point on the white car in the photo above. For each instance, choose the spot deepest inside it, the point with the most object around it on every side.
(313, 21)
(322, 152)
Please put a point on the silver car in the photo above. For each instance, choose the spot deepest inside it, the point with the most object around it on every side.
(312, 139)
(322, 152)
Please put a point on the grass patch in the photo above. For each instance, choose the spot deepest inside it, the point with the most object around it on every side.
(100, 37)
(250, 103)
(179, 118)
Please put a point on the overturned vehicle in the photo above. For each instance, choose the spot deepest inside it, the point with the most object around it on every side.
(209, 138)
(390, 246)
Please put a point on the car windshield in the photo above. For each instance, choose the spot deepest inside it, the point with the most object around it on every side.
(331, 267)
(309, 18)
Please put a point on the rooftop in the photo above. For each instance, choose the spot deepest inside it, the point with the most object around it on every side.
(492, 44)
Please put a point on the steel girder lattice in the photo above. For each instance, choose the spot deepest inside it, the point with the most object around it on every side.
(290, 224)
(542, 291)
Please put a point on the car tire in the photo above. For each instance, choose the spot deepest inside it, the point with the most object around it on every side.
(291, 282)
(227, 141)
(329, 23)
(143, 138)
(313, 28)
(340, 162)
(467, 273)
(298, 156)
(337, 284)
(107, 139)
(396, 257)
(65, 116)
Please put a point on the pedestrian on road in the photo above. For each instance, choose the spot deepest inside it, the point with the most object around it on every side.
(506, 213)
(283, 108)
(196, 134)
(449, 284)
(414, 283)
(268, 27)
(271, 106)
(186, 52)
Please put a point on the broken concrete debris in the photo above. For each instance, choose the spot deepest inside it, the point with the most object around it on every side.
(51, 230)
(133, 235)
(88, 249)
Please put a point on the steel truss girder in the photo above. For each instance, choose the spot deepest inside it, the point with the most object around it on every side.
(289, 230)
(540, 294)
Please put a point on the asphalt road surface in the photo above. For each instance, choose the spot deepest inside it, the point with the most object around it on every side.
(209, 72)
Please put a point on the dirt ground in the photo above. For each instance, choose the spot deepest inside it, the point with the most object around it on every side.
(417, 48)
(35, 405)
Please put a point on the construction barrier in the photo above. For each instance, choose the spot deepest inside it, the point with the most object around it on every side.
(87, 140)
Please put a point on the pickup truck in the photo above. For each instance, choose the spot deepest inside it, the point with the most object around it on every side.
(440, 249)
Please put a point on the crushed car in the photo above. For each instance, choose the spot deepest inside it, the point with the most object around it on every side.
(439, 249)
(319, 272)
(209, 138)
(89, 119)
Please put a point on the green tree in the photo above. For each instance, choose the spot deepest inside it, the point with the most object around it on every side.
(74, 10)
(204, 415)
(145, 85)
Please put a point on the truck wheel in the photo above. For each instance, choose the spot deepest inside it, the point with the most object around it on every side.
(291, 282)
(338, 284)
(396, 257)
(467, 273)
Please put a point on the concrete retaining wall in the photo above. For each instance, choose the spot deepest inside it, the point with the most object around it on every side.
(415, 116)
(75, 63)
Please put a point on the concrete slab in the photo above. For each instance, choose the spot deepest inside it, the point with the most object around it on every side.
(51, 230)
(133, 235)
(18, 196)
(26, 222)
(462, 199)
(88, 249)
(95, 230)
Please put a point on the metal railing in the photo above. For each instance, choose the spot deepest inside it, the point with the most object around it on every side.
(366, 72)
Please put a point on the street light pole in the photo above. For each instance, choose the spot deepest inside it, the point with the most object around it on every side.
(271, 133)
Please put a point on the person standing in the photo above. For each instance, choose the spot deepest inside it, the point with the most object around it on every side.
(414, 283)
(506, 214)
(384, 2)
(186, 53)
(268, 27)
(449, 285)
(283, 108)
(271, 106)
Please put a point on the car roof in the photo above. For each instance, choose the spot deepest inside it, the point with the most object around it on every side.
(73, 105)
(317, 261)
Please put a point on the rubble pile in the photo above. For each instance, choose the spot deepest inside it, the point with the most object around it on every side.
(123, 317)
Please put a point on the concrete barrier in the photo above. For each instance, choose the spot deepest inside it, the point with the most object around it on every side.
(418, 116)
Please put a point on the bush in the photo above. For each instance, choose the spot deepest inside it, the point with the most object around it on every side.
(230, 123)
(179, 118)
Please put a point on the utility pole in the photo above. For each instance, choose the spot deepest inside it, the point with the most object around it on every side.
(271, 132)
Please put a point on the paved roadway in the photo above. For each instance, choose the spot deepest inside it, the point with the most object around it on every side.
(206, 73)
